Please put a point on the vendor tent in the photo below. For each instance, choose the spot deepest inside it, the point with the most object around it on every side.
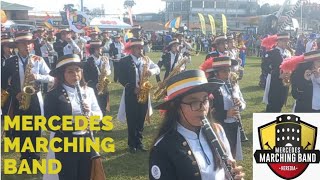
(108, 23)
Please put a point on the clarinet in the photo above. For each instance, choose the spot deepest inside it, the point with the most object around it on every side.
(93, 154)
(243, 136)
(215, 145)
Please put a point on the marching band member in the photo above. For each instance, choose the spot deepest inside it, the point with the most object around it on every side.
(275, 94)
(242, 49)
(228, 103)
(7, 45)
(305, 81)
(136, 32)
(170, 59)
(135, 69)
(26, 72)
(63, 100)
(181, 150)
(220, 45)
(96, 66)
(116, 53)
(66, 45)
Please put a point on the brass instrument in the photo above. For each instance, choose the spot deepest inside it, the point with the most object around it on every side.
(145, 85)
(103, 81)
(4, 97)
(28, 86)
(161, 90)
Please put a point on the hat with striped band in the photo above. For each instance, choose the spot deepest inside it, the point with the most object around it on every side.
(23, 37)
(7, 41)
(185, 83)
(136, 28)
(220, 39)
(95, 44)
(283, 36)
(67, 60)
(224, 61)
(174, 41)
(312, 56)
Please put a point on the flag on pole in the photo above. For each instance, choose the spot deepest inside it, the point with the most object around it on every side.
(224, 24)
(97, 29)
(48, 22)
(202, 23)
(3, 17)
(130, 15)
(213, 26)
(174, 23)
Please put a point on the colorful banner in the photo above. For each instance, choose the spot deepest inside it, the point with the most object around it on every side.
(213, 26)
(174, 23)
(48, 22)
(202, 23)
(224, 24)
(78, 21)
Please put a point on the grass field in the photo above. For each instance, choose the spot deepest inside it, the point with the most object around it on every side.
(122, 165)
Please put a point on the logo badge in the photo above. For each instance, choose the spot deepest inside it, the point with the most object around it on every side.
(287, 146)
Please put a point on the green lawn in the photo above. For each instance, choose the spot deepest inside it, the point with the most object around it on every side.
(124, 166)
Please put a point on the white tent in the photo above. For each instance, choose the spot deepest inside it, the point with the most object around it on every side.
(109, 23)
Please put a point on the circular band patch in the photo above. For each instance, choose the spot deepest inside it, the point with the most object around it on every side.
(155, 171)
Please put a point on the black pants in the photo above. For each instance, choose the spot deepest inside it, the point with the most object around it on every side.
(135, 113)
(231, 130)
(103, 102)
(33, 110)
(116, 71)
(75, 165)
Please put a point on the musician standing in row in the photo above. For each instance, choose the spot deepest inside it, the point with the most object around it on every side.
(64, 100)
(275, 94)
(169, 59)
(7, 44)
(181, 150)
(220, 46)
(228, 103)
(133, 70)
(306, 83)
(25, 70)
(98, 65)
(116, 53)
(66, 45)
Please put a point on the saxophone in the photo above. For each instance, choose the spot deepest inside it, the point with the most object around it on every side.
(4, 97)
(103, 81)
(161, 90)
(28, 86)
(145, 84)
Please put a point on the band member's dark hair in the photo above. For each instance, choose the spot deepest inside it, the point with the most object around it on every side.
(59, 79)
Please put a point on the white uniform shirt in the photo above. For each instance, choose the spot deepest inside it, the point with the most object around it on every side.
(206, 170)
(88, 97)
(71, 48)
(98, 62)
(40, 69)
(154, 68)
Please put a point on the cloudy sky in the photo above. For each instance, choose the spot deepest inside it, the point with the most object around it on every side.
(111, 6)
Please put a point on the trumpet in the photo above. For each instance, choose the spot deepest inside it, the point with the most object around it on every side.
(145, 85)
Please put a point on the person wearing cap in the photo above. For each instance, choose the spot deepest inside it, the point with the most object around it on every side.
(39, 35)
(181, 150)
(66, 45)
(96, 63)
(170, 59)
(64, 100)
(233, 53)
(81, 42)
(136, 31)
(275, 93)
(116, 53)
(305, 80)
(133, 69)
(7, 45)
(94, 35)
(220, 46)
(228, 100)
(15, 69)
